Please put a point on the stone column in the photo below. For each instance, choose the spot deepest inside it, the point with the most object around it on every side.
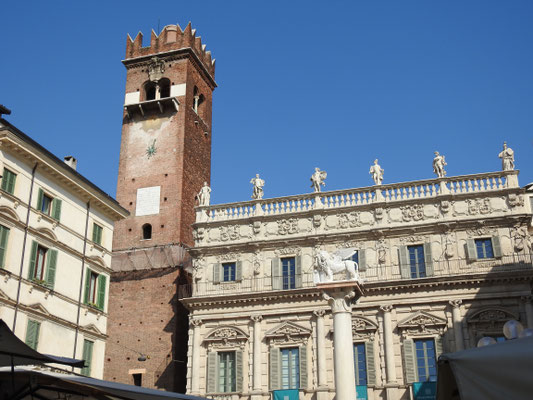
(340, 298)
(196, 345)
(457, 324)
(321, 353)
(257, 354)
(529, 310)
(390, 365)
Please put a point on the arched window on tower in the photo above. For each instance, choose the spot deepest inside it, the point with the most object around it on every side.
(198, 99)
(164, 87)
(147, 231)
(150, 90)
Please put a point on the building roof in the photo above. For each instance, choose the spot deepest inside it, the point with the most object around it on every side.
(105, 198)
(4, 110)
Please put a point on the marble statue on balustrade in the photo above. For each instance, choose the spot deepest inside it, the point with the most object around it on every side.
(507, 156)
(317, 179)
(258, 187)
(377, 172)
(326, 265)
(204, 196)
(438, 165)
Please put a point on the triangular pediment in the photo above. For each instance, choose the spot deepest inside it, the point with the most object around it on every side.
(286, 329)
(3, 295)
(38, 307)
(363, 324)
(91, 328)
(422, 319)
(98, 261)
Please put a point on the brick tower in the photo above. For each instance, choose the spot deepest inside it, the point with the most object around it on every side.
(165, 157)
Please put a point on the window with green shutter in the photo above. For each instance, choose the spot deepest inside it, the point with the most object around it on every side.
(8, 181)
(4, 234)
(43, 263)
(87, 357)
(49, 205)
(95, 289)
(97, 234)
(32, 334)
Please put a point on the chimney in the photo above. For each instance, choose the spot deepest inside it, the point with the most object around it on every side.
(71, 162)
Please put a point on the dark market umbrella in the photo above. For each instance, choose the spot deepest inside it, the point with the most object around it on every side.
(499, 371)
(14, 351)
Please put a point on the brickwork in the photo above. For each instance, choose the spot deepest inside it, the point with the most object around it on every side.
(144, 303)
(147, 318)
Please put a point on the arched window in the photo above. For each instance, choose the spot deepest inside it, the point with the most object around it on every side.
(198, 99)
(149, 91)
(164, 87)
(147, 231)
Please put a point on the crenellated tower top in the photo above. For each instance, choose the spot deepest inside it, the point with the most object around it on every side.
(171, 38)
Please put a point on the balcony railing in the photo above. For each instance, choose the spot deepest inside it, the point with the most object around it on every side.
(373, 275)
(423, 189)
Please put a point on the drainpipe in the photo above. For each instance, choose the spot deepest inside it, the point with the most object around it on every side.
(24, 245)
(81, 280)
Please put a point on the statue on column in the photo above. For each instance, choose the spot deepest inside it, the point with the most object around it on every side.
(507, 156)
(438, 165)
(318, 179)
(258, 187)
(341, 261)
(377, 172)
(204, 196)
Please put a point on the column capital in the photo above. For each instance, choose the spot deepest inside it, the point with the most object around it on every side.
(195, 322)
(341, 302)
(456, 303)
(319, 313)
(256, 318)
(387, 308)
(527, 299)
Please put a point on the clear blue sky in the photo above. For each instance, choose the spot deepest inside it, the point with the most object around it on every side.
(301, 84)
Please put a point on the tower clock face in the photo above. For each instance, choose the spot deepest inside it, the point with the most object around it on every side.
(151, 150)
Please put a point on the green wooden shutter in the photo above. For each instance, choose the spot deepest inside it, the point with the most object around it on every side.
(56, 209)
(216, 272)
(409, 361)
(439, 346)
(87, 356)
(101, 291)
(32, 334)
(87, 285)
(496, 247)
(303, 367)
(51, 262)
(277, 279)
(274, 368)
(471, 251)
(428, 259)
(211, 372)
(361, 255)
(298, 271)
(40, 195)
(238, 271)
(405, 267)
(5, 179)
(4, 234)
(95, 233)
(33, 260)
(238, 371)
(8, 181)
(370, 364)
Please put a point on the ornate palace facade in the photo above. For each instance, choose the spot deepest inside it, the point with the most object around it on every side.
(444, 262)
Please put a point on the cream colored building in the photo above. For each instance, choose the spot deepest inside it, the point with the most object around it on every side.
(56, 230)
(444, 261)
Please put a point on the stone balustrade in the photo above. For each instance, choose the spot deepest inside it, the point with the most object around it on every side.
(405, 191)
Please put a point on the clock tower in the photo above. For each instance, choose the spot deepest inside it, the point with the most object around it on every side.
(165, 157)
